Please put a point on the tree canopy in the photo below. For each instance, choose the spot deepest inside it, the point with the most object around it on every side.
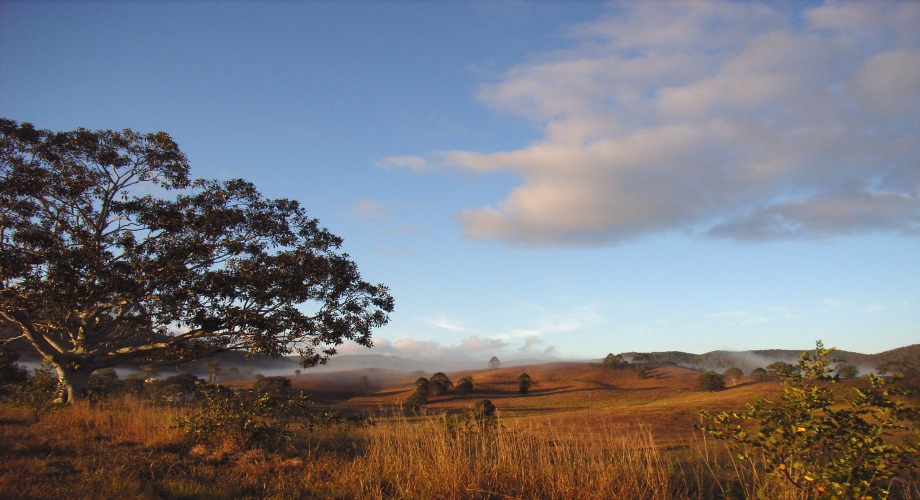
(98, 266)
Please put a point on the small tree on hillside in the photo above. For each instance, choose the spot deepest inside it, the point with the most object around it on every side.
(759, 374)
(494, 363)
(847, 371)
(525, 383)
(464, 387)
(439, 384)
(782, 370)
(214, 370)
(734, 374)
(710, 381)
(614, 361)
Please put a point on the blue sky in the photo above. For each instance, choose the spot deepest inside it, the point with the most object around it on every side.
(540, 180)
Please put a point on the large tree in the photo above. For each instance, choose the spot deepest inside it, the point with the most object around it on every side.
(110, 253)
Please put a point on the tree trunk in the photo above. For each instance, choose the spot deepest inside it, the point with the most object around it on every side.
(73, 384)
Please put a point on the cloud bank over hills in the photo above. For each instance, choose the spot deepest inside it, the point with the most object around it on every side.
(726, 120)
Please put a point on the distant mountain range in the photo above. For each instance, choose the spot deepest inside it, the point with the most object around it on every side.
(749, 360)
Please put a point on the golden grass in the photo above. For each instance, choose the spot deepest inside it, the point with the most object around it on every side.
(630, 439)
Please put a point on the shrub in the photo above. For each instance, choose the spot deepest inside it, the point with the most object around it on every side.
(710, 381)
(39, 393)
(275, 385)
(250, 418)
(819, 446)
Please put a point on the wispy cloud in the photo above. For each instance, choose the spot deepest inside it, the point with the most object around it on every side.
(370, 209)
(444, 323)
(725, 119)
(411, 162)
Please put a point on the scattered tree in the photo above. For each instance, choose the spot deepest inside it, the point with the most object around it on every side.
(759, 374)
(422, 384)
(734, 374)
(96, 274)
(847, 370)
(214, 370)
(464, 387)
(149, 372)
(710, 381)
(297, 372)
(821, 447)
(525, 383)
(418, 399)
(782, 370)
(494, 363)
(439, 384)
(615, 361)
(364, 382)
(641, 372)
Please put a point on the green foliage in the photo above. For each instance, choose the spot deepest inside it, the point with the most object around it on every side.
(39, 393)
(525, 383)
(823, 447)
(709, 381)
(251, 418)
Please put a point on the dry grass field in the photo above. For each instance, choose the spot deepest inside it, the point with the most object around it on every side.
(584, 431)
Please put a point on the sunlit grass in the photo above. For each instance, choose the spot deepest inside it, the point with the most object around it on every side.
(132, 449)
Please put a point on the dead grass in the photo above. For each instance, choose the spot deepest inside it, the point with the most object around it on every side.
(590, 433)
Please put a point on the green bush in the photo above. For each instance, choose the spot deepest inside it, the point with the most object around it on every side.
(250, 418)
(823, 447)
(39, 393)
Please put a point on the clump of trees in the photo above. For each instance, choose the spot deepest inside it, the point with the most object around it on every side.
(96, 273)
(822, 446)
(438, 385)
(615, 361)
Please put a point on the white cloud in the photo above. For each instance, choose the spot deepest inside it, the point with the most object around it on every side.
(370, 209)
(723, 119)
(412, 162)
(444, 323)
